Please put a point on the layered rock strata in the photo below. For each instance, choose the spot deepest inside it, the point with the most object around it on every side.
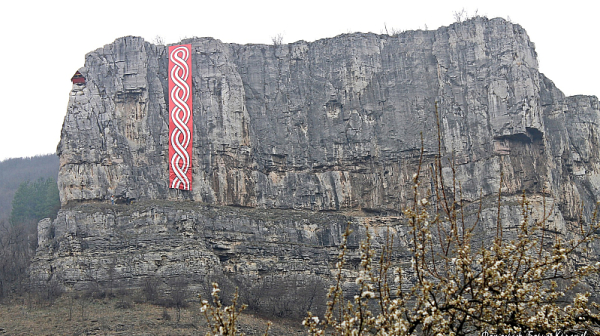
(301, 129)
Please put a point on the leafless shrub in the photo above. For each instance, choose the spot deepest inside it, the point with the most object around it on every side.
(391, 31)
(165, 315)
(92, 287)
(464, 15)
(123, 303)
(461, 15)
(289, 296)
(111, 272)
(227, 287)
(83, 299)
(159, 40)
(222, 320)
(150, 289)
(17, 247)
(124, 299)
(277, 39)
(51, 290)
(72, 297)
(178, 294)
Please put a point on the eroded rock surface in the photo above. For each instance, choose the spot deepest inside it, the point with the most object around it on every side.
(330, 125)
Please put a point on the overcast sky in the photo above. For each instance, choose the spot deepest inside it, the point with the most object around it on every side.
(45, 42)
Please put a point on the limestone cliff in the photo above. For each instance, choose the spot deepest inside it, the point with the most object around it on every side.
(286, 132)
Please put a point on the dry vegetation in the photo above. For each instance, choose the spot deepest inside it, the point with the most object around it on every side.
(87, 316)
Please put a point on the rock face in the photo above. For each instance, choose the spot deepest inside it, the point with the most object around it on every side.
(287, 132)
(169, 239)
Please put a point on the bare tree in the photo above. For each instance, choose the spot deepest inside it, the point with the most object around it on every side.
(17, 247)
(150, 289)
(159, 40)
(460, 16)
(277, 39)
(391, 31)
(178, 294)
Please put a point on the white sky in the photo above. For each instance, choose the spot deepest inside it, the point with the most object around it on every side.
(44, 42)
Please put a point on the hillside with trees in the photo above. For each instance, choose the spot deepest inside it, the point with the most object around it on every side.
(13, 172)
(28, 193)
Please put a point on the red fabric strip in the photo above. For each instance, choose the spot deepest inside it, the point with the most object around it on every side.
(181, 128)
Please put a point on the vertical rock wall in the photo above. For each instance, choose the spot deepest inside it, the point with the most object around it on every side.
(334, 124)
(326, 125)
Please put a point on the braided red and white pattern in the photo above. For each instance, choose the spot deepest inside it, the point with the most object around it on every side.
(180, 117)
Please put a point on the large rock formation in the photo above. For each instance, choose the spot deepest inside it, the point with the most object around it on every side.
(286, 132)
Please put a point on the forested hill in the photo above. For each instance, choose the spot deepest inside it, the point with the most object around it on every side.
(15, 171)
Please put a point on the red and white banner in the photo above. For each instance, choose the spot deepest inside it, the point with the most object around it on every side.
(181, 127)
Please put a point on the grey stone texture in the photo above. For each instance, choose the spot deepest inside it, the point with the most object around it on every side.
(297, 130)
